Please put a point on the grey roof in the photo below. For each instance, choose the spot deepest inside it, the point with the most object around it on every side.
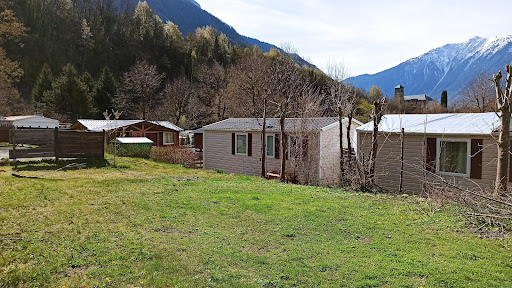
(100, 125)
(255, 124)
(445, 124)
(23, 117)
(421, 97)
(399, 86)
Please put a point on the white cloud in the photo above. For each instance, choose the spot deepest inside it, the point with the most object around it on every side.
(369, 35)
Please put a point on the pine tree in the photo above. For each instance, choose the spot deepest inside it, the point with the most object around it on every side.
(105, 92)
(70, 96)
(43, 84)
(444, 99)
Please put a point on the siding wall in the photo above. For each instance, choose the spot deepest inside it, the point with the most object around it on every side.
(330, 155)
(388, 162)
(217, 155)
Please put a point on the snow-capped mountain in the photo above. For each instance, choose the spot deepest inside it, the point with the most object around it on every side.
(449, 67)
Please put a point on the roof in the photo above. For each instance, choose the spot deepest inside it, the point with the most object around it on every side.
(133, 140)
(255, 124)
(23, 117)
(454, 123)
(421, 97)
(399, 86)
(100, 125)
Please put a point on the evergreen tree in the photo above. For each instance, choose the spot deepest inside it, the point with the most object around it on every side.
(444, 99)
(105, 92)
(70, 96)
(43, 84)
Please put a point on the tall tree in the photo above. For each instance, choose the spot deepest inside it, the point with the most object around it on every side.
(43, 84)
(139, 90)
(70, 96)
(10, 72)
(105, 92)
(176, 97)
(444, 99)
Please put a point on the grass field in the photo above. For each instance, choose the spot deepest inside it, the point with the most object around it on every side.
(155, 225)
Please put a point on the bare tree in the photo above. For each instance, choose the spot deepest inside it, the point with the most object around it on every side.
(376, 117)
(176, 100)
(139, 89)
(503, 101)
(213, 81)
(479, 95)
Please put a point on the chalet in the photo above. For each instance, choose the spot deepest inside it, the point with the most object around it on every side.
(459, 148)
(235, 145)
(162, 133)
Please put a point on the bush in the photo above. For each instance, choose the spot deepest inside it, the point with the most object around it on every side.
(138, 151)
(172, 155)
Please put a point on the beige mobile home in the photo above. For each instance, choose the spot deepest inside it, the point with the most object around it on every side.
(458, 148)
(234, 145)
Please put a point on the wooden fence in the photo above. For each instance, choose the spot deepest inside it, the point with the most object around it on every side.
(4, 134)
(42, 143)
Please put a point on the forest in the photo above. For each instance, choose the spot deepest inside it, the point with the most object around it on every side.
(77, 59)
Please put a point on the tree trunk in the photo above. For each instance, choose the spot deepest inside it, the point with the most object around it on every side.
(264, 140)
(349, 126)
(503, 101)
(283, 148)
(373, 154)
(342, 162)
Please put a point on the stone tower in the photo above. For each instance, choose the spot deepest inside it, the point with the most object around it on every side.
(399, 93)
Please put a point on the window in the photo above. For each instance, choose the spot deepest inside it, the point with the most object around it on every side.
(168, 138)
(271, 146)
(241, 144)
(453, 157)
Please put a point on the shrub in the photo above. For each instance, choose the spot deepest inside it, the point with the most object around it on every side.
(138, 151)
(172, 155)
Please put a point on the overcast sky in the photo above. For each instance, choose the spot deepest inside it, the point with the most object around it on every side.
(367, 35)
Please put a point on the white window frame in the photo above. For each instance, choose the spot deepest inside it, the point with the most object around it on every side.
(172, 133)
(246, 144)
(468, 156)
(273, 148)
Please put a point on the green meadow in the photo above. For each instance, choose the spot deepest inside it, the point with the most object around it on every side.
(146, 224)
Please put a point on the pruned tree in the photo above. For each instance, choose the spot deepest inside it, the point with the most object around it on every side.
(139, 90)
(503, 105)
(376, 117)
(342, 100)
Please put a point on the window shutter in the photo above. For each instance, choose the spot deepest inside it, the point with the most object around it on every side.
(305, 144)
(233, 143)
(430, 162)
(249, 144)
(277, 146)
(476, 158)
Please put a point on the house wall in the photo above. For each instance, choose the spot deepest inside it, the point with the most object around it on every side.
(217, 155)
(387, 174)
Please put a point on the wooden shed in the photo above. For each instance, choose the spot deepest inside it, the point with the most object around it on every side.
(162, 133)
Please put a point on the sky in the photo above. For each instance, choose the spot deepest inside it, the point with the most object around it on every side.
(366, 36)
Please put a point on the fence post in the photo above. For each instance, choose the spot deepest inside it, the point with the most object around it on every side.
(13, 141)
(56, 142)
(402, 136)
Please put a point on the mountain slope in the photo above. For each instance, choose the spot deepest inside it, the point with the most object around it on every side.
(189, 16)
(450, 67)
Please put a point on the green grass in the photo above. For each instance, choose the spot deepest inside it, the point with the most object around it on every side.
(156, 225)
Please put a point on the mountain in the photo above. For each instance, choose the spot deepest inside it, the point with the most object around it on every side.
(189, 16)
(450, 67)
